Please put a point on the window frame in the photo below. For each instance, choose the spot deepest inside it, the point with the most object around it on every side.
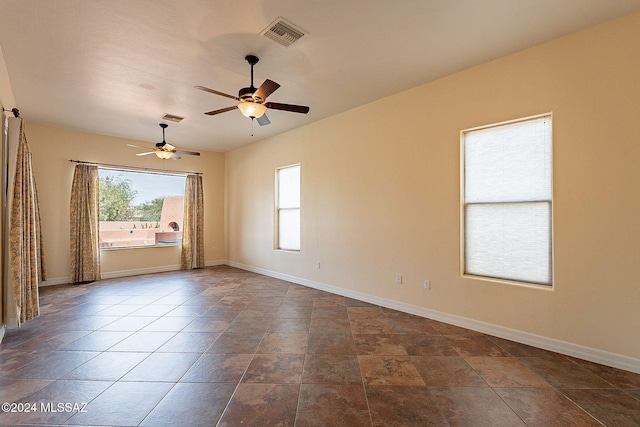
(276, 238)
(177, 243)
(463, 207)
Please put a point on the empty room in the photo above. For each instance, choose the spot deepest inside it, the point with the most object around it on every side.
(320, 213)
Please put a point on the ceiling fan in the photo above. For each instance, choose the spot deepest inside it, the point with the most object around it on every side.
(164, 150)
(252, 100)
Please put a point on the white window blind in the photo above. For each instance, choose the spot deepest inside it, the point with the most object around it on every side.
(288, 208)
(507, 201)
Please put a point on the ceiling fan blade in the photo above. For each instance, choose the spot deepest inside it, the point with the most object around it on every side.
(189, 153)
(287, 107)
(266, 89)
(175, 157)
(263, 120)
(137, 146)
(145, 154)
(222, 110)
(215, 92)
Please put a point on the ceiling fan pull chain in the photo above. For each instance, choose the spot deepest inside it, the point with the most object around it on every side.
(252, 119)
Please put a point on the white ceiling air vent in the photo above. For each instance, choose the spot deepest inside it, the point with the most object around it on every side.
(172, 118)
(283, 32)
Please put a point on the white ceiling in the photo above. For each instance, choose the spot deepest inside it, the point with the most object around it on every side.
(115, 67)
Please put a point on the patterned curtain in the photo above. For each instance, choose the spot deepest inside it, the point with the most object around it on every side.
(25, 240)
(193, 224)
(85, 256)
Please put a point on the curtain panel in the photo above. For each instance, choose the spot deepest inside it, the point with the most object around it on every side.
(25, 237)
(193, 224)
(85, 255)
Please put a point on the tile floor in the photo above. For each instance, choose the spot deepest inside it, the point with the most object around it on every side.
(225, 347)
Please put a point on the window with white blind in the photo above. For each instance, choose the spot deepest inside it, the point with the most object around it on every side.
(506, 201)
(288, 208)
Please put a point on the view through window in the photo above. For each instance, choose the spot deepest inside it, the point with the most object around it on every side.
(140, 209)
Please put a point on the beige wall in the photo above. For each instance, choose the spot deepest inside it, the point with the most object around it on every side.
(380, 192)
(53, 147)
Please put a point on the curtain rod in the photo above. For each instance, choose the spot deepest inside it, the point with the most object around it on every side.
(135, 168)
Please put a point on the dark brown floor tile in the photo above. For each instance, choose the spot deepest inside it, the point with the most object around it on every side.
(162, 367)
(323, 405)
(412, 326)
(107, 366)
(617, 377)
(301, 292)
(403, 406)
(249, 325)
(218, 368)
(505, 372)
(53, 365)
(328, 300)
(290, 326)
(294, 312)
(90, 323)
(97, 341)
(331, 344)
(155, 310)
(389, 370)
(262, 405)
(222, 313)
(474, 406)
(426, 345)
(275, 369)
(13, 391)
(206, 324)
(185, 405)
(143, 341)
(475, 346)
(522, 350)
(284, 343)
(446, 371)
(379, 344)
(321, 325)
(633, 392)
(609, 406)
(168, 324)
(331, 369)
(119, 310)
(61, 391)
(52, 341)
(236, 343)
(330, 312)
(122, 404)
(130, 323)
(367, 312)
(545, 407)
(561, 372)
(371, 326)
(297, 302)
(188, 310)
(189, 342)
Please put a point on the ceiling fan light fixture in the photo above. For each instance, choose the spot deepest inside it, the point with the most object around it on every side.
(252, 110)
(164, 155)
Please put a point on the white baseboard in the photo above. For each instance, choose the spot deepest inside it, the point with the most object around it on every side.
(586, 353)
(126, 273)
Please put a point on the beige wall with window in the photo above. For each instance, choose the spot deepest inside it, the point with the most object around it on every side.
(53, 147)
(381, 192)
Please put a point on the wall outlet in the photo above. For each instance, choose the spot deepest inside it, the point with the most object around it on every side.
(399, 279)
(427, 284)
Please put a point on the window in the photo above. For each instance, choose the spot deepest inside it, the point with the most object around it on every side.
(506, 201)
(140, 209)
(288, 208)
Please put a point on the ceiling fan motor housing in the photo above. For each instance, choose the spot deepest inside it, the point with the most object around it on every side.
(246, 95)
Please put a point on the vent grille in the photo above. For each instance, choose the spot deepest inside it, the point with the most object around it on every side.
(172, 118)
(283, 32)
